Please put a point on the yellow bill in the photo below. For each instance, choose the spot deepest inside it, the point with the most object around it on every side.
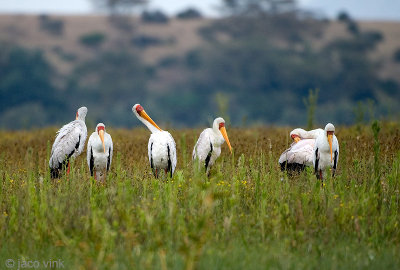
(296, 139)
(225, 135)
(330, 137)
(145, 116)
(101, 135)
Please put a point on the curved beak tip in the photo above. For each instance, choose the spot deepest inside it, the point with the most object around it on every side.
(225, 135)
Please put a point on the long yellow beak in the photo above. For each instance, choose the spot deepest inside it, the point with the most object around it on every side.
(101, 134)
(225, 135)
(296, 139)
(330, 136)
(76, 118)
(145, 116)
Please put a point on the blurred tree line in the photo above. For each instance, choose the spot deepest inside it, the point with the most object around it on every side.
(257, 68)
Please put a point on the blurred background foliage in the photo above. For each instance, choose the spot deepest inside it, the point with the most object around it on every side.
(257, 64)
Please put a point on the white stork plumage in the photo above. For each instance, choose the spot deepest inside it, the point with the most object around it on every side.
(99, 153)
(69, 143)
(208, 146)
(326, 151)
(161, 147)
(300, 153)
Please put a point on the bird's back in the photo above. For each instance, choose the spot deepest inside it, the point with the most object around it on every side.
(203, 147)
(162, 147)
(300, 153)
(69, 142)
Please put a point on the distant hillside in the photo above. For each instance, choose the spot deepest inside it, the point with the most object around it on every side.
(60, 38)
(248, 69)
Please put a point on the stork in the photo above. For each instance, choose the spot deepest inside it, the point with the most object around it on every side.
(69, 143)
(300, 153)
(208, 146)
(326, 151)
(161, 147)
(99, 153)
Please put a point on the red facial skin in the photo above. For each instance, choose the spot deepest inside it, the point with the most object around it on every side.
(221, 125)
(294, 136)
(100, 128)
(330, 132)
(139, 109)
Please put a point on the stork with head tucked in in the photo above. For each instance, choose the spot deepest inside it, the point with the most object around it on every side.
(326, 151)
(99, 153)
(69, 143)
(300, 153)
(208, 146)
(161, 147)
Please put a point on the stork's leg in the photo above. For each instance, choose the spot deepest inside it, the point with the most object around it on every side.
(320, 175)
(94, 174)
(69, 167)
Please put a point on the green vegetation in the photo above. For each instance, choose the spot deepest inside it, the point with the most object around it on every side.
(190, 13)
(26, 90)
(242, 217)
(93, 40)
(156, 16)
(52, 26)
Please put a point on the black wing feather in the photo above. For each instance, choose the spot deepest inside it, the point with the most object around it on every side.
(91, 161)
(109, 159)
(207, 161)
(151, 155)
(169, 169)
(335, 163)
(316, 160)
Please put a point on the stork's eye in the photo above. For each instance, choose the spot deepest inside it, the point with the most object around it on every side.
(221, 125)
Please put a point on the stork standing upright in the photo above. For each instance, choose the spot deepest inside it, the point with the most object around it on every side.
(161, 147)
(69, 143)
(99, 153)
(326, 151)
(208, 146)
(300, 153)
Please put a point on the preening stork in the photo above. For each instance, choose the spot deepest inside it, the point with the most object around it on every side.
(99, 153)
(161, 147)
(69, 143)
(300, 153)
(326, 151)
(208, 146)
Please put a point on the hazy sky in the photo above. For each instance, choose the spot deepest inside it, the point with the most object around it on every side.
(362, 9)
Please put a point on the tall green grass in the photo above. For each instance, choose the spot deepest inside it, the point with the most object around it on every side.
(246, 215)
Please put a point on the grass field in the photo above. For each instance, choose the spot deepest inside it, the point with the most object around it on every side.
(242, 217)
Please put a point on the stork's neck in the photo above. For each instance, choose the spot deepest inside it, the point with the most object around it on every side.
(218, 138)
(81, 117)
(152, 128)
(312, 134)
